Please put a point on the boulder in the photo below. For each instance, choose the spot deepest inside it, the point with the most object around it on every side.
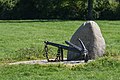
(90, 33)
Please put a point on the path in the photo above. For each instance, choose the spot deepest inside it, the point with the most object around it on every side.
(46, 62)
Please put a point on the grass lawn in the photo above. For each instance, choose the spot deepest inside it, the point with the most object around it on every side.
(22, 40)
(28, 36)
(102, 69)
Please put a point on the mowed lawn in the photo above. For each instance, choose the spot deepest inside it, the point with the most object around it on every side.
(17, 37)
(21, 40)
(101, 69)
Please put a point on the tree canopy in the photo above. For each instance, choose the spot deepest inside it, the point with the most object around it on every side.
(58, 9)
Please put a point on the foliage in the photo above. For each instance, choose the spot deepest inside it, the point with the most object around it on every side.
(105, 9)
(57, 9)
(6, 6)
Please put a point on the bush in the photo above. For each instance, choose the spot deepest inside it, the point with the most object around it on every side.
(6, 7)
(58, 9)
(105, 10)
(117, 13)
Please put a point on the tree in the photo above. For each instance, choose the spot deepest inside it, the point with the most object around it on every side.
(118, 1)
(90, 7)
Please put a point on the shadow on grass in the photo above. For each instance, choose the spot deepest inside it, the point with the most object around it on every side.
(29, 21)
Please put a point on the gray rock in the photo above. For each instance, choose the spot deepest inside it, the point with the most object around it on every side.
(90, 33)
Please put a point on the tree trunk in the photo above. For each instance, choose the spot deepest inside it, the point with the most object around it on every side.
(90, 7)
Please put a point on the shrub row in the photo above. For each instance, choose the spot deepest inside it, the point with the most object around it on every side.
(58, 9)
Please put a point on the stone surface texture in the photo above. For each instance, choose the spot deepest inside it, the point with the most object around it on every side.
(90, 33)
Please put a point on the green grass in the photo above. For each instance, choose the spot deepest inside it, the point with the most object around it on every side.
(21, 40)
(111, 33)
(19, 35)
(102, 69)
